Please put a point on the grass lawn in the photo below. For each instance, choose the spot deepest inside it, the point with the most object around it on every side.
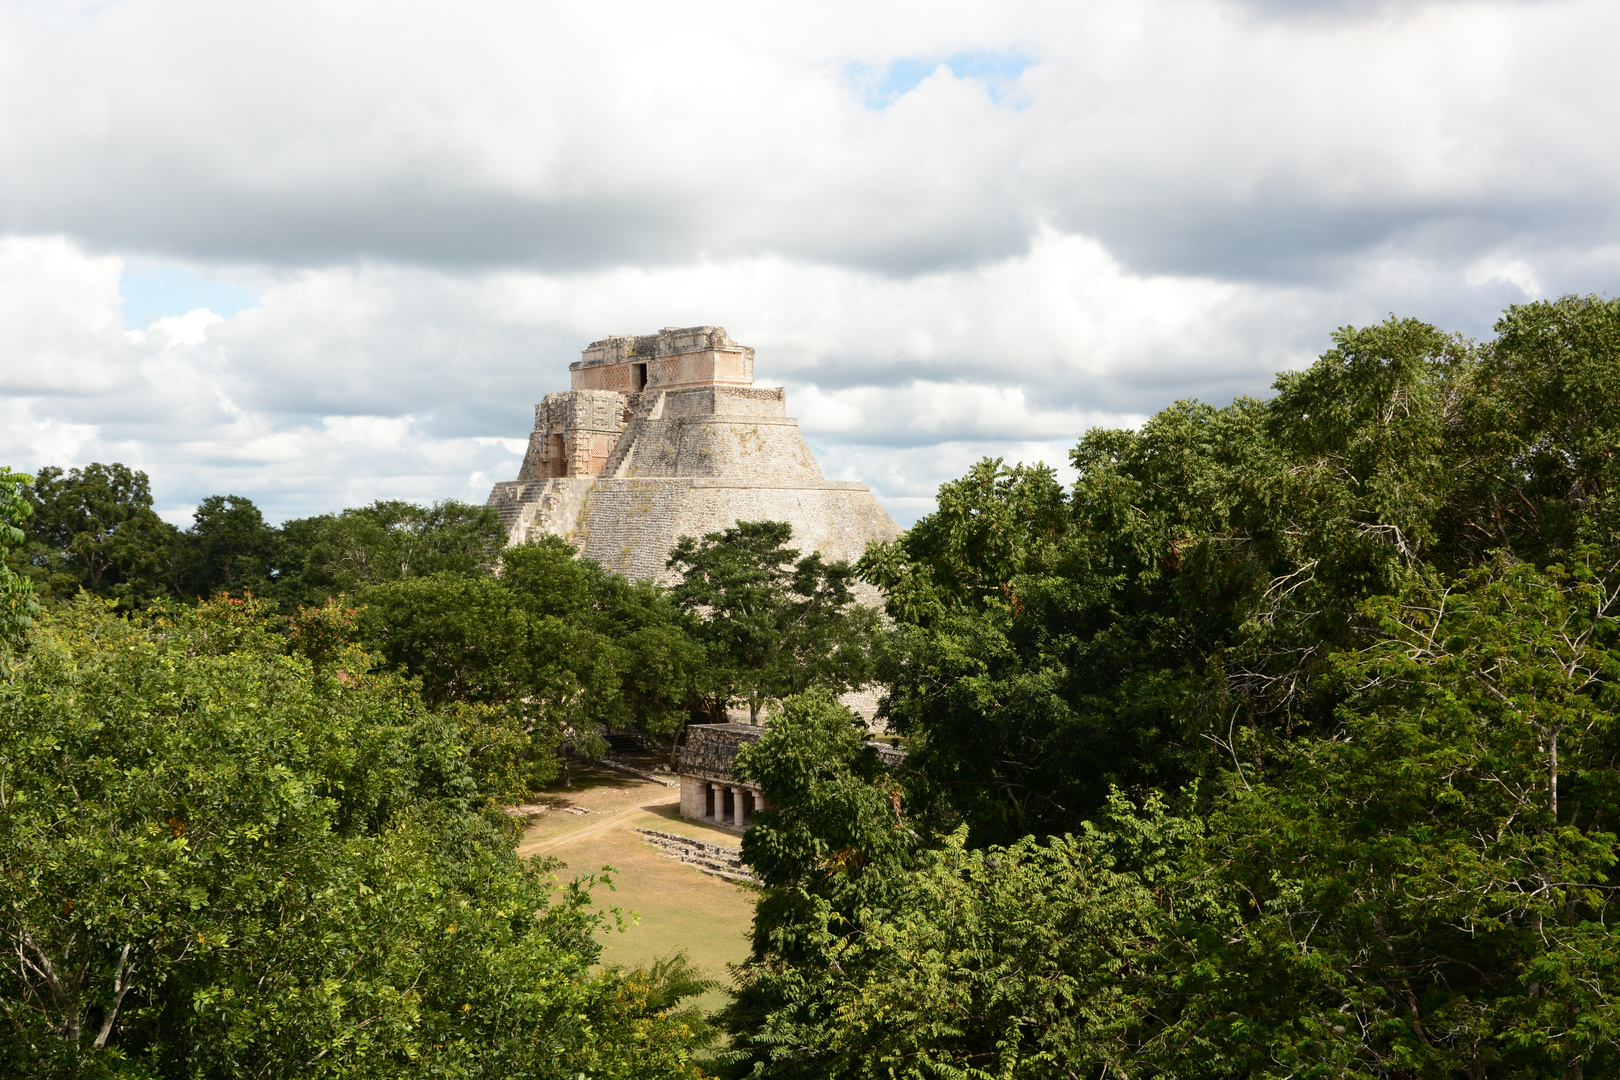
(673, 906)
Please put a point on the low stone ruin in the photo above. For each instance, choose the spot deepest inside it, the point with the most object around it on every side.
(717, 859)
(709, 790)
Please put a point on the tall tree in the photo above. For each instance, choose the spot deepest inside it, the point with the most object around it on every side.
(773, 623)
(1426, 892)
(1535, 423)
(1365, 629)
(660, 669)
(1190, 587)
(830, 848)
(17, 604)
(229, 547)
(563, 643)
(218, 862)
(94, 528)
(389, 540)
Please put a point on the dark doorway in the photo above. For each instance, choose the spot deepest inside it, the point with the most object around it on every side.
(641, 376)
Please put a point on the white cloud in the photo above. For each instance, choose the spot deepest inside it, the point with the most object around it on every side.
(172, 330)
(26, 436)
(928, 411)
(59, 309)
(375, 432)
(1500, 268)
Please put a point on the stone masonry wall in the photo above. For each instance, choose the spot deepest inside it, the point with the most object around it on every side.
(711, 748)
(711, 751)
(630, 525)
(689, 356)
(574, 433)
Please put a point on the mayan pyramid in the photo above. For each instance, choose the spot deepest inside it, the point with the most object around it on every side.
(665, 435)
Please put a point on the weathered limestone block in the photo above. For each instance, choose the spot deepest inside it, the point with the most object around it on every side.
(693, 356)
(694, 797)
(711, 749)
(534, 508)
(574, 432)
(629, 525)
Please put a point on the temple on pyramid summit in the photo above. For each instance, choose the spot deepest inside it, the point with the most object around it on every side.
(665, 435)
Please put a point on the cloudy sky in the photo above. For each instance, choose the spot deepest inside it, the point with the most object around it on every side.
(321, 253)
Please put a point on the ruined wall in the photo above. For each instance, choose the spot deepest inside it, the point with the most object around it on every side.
(711, 751)
(532, 508)
(738, 432)
(629, 525)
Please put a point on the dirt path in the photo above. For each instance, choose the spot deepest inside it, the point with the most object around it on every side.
(596, 828)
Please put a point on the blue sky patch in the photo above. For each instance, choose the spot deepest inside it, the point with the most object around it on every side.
(995, 70)
(151, 292)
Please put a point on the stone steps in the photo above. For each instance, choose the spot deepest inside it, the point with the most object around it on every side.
(716, 859)
(640, 406)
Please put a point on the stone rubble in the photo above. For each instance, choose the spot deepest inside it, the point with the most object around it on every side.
(717, 859)
(658, 778)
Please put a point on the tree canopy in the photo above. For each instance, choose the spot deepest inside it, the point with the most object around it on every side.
(17, 604)
(93, 528)
(1281, 744)
(773, 623)
(219, 859)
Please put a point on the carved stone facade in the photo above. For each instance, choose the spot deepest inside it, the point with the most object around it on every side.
(574, 433)
(694, 356)
(664, 435)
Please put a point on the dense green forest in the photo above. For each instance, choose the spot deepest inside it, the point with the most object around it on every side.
(1280, 744)
(251, 779)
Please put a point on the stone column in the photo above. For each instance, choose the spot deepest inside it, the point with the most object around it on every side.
(713, 796)
(736, 808)
(759, 801)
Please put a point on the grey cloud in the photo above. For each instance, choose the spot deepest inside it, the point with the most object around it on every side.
(1141, 388)
(400, 222)
(303, 175)
(1289, 239)
(463, 229)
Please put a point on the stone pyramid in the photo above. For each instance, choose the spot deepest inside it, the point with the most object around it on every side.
(665, 435)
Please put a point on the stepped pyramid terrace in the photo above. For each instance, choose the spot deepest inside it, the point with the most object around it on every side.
(665, 435)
